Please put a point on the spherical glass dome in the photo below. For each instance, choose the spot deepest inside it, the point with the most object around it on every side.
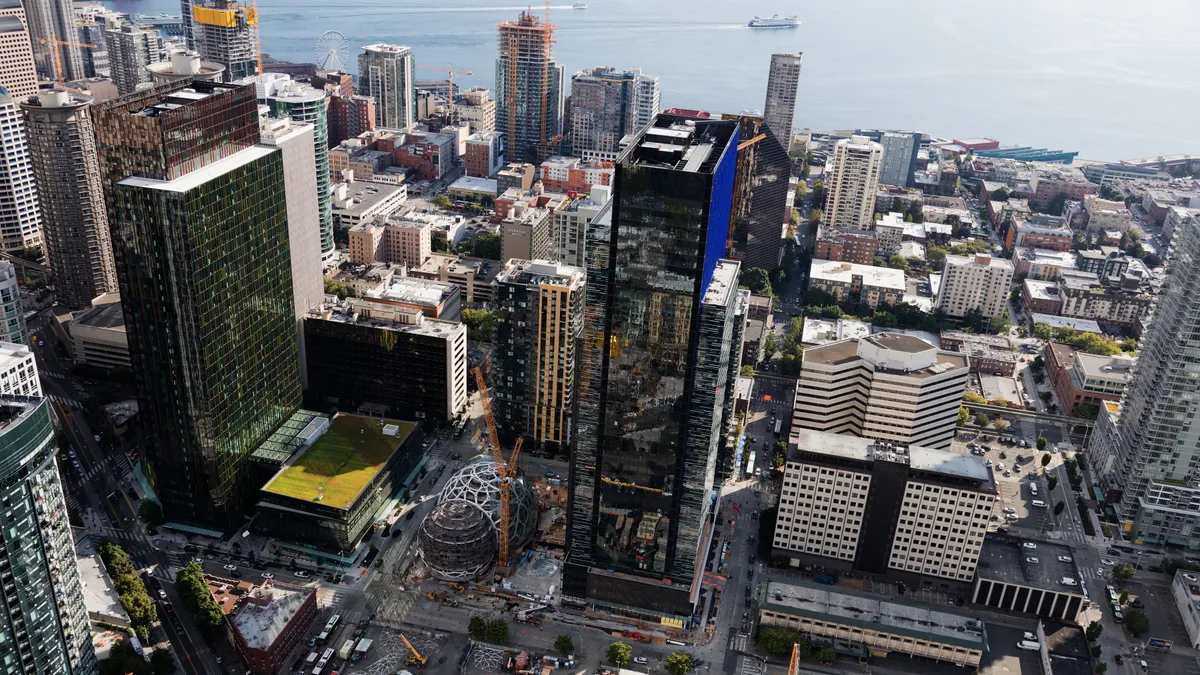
(478, 482)
(458, 540)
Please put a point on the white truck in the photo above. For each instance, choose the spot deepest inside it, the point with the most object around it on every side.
(346, 650)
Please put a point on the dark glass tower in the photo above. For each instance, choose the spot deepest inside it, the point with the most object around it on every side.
(200, 236)
(762, 196)
(653, 366)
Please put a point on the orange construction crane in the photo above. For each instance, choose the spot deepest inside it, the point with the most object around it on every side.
(257, 38)
(505, 471)
(450, 78)
(58, 77)
(794, 666)
(745, 144)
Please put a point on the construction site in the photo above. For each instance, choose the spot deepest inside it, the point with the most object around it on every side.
(227, 33)
(529, 88)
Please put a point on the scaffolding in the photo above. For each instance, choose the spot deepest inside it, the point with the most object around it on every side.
(458, 540)
(227, 33)
(524, 92)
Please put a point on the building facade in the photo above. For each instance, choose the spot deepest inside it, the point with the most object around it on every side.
(540, 313)
(200, 229)
(608, 105)
(12, 326)
(892, 387)
(853, 247)
(762, 196)
(269, 622)
(899, 157)
(525, 233)
(1120, 302)
(18, 74)
(779, 109)
(485, 154)
(1080, 378)
(52, 23)
(75, 233)
(649, 411)
(477, 109)
(529, 89)
(873, 286)
(1041, 264)
(572, 174)
(349, 116)
(571, 222)
(851, 184)
(21, 219)
(386, 73)
(131, 48)
(979, 283)
(225, 32)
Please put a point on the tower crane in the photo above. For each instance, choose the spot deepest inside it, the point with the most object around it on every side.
(794, 666)
(505, 471)
(55, 44)
(450, 73)
(257, 34)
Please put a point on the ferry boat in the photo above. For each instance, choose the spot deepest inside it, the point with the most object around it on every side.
(775, 22)
(579, 5)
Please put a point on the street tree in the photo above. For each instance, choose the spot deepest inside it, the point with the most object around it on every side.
(1058, 508)
(757, 280)
(162, 662)
(1137, 622)
(563, 644)
(497, 631)
(1102, 669)
(1123, 597)
(964, 415)
(1093, 631)
(1052, 482)
(827, 656)
(1123, 572)
(777, 641)
(619, 654)
(679, 663)
(477, 627)
(1041, 445)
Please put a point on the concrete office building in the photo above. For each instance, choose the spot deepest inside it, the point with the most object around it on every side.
(539, 306)
(386, 74)
(649, 421)
(18, 370)
(98, 335)
(360, 202)
(981, 282)
(226, 33)
(779, 110)
(899, 157)
(52, 23)
(393, 240)
(607, 105)
(890, 387)
(21, 218)
(12, 325)
(1185, 590)
(66, 167)
(851, 183)
(477, 109)
(856, 504)
(18, 74)
(525, 233)
(195, 202)
(131, 48)
(1029, 577)
(529, 89)
(371, 351)
(570, 225)
(873, 625)
(990, 354)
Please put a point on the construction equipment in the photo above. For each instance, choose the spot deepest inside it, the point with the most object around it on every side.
(58, 76)
(257, 39)
(505, 471)
(416, 657)
(794, 666)
(450, 73)
(752, 141)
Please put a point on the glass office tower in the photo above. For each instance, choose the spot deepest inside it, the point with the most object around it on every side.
(200, 235)
(653, 365)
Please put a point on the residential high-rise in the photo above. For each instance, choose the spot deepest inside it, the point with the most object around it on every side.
(652, 362)
(851, 184)
(132, 47)
(892, 387)
(20, 219)
(386, 73)
(349, 116)
(95, 59)
(540, 311)
(17, 71)
(43, 608)
(762, 196)
(571, 223)
(12, 325)
(51, 25)
(982, 282)
(181, 64)
(225, 33)
(1147, 453)
(783, 81)
(199, 215)
(529, 88)
(607, 105)
(302, 103)
(333, 82)
(899, 157)
(75, 232)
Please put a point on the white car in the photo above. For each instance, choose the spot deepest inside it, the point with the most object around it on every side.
(198, 561)
(300, 575)
(231, 568)
(97, 437)
(641, 660)
(1029, 645)
(1031, 560)
(1065, 558)
(1106, 561)
(162, 594)
(1009, 509)
(1029, 636)
(268, 575)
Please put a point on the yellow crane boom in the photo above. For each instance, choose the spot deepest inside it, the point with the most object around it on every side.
(55, 44)
(794, 666)
(416, 656)
(505, 470)
(450, 72)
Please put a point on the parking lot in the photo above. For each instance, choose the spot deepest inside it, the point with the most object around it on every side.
(1003, 657)
(1159, 606)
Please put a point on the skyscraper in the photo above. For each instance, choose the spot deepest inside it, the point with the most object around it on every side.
(51, 24)
(17, 72)
(606, 106)
(540, 308)
(783, 81)
(131, 47)
(529, 88)
(302, 103)
(12, 325)
(43, 617)
(1147, 457)
(653, 363)
(200, 232)
(851, 184)
(899, 157)
(20, 220)
(386, 73)
(74, 223)
(762, 196)
(225, 33)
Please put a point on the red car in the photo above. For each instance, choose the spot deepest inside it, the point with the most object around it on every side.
(1119, 660)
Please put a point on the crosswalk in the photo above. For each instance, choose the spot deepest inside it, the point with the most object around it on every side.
(118, 464)
(737, 643)
(66, 402)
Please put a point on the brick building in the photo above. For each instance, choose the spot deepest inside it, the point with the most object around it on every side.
(1079, 377)
(574, 174)
(853, 247)
(349, 116)
(485, 153)
(265, 623)
(1041, 297)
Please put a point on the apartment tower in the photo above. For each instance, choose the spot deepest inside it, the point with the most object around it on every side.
(783, 81)
(899, 157)
(12, 325)
(51, 23)
(20, 219)
(225, 33)
(653, 361)
(540, 306)
(18, 74)
(75, 232)
(891, 387)
(132, 47)
(386, 73)
(529, 89)
(851, 183)
(606, 106)
(199, 217)
(981, 282)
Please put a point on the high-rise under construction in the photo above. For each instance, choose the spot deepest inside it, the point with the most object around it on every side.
(529, 88)
(224, 33)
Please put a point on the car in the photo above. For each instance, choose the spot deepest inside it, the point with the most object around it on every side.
(162, 594)
(300, 574)
(989, 462)
(96, 437)
(1003, 455)
(1119, 659)
(747, 602)
(1141, 552)
(219, 659)
(1031, 560)
(1016, 469)
(1009, 509)
(231, 568)
(1029, 645)
(1106, 561)
(1008, 474)
(1065, 558)
(1000, 466)
(1029, 545)
(1029, 636)
(1037, 503)
(268, 575)
(1002, 530)
(198, 561)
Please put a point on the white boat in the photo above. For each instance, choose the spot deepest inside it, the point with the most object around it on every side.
(775, 22)
(579, 5)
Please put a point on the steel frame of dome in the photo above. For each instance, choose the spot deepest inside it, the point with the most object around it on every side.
(458, 540)
(478, 482)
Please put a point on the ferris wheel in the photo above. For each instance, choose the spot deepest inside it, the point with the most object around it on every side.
(333, 51)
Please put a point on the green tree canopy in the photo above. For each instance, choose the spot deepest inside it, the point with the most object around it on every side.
(619, 654)
(563, 644)
(1136, 622)
(1123, 572)
(487, 246)
(497, 631)
(123, 660)
(1042, 446)
(746, 371)
(150, 512)
(757, 280)
(477, 627)
(1093, 631)
(678, 663)
(777, 641)
(162, 662)
(480, 323)
(827, 656)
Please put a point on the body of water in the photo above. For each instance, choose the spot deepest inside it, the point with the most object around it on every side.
(1106, 78)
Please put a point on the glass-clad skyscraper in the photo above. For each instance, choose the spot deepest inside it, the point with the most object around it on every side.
(653, 365)
(200, 234)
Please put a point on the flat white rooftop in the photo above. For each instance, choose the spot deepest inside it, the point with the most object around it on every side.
(194, 179)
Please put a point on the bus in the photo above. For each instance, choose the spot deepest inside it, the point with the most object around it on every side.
(325, 659)
(460, 425)
(329, 628)
(778, 426)
(750, 464)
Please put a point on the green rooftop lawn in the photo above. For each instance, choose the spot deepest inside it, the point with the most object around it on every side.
(342, 461)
